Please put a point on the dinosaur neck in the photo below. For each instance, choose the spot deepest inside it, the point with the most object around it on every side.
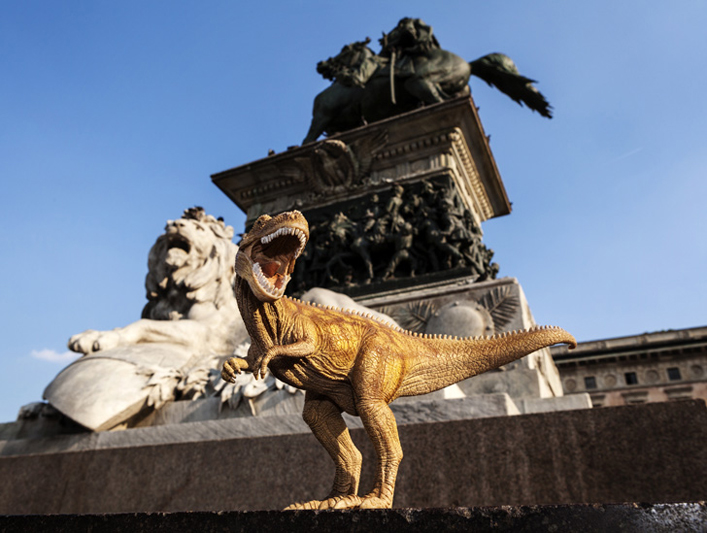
(443, 362)
(261, 318)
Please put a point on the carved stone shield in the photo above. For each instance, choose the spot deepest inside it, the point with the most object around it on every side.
(106, 388)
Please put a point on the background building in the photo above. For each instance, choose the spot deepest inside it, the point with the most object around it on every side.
(652, 367)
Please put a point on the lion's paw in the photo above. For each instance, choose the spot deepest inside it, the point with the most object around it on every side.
(106, 341)
(83, 342)
(94, 341)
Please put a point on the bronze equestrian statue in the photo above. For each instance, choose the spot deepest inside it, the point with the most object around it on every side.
(364, 89)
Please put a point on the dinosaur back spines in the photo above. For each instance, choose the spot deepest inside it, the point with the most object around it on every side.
(426, 336)
(350, 312)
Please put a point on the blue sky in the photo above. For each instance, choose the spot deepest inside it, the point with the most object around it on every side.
(113, 116)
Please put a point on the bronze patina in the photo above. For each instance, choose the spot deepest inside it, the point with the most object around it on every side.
(411, 70)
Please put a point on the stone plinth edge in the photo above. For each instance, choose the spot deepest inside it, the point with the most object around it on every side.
(629, 517)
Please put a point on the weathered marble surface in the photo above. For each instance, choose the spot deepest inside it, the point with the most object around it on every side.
(202, 420)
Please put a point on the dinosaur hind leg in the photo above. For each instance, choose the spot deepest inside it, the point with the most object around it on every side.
(375, 379)
(380, 425)
(324, 419)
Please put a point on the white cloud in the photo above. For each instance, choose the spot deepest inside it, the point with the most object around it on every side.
(54, 356)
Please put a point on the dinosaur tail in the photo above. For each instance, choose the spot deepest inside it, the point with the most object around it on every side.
(443, 362)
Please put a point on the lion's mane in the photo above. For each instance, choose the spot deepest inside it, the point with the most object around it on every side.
(192, 262)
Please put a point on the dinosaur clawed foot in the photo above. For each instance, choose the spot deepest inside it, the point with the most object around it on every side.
(314, 504)
(374, 502)
(336, 502)
(343, 502)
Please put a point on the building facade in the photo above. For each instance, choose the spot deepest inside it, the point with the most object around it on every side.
(652, 367)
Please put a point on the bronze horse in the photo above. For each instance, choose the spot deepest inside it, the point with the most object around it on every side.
(423, 73)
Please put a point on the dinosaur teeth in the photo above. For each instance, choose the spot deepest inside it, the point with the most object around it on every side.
(267, 287)
(287, 231)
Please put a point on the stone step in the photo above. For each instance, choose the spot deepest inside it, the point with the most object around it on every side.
(628, 518)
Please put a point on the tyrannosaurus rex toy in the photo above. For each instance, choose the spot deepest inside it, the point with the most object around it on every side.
(349, 362)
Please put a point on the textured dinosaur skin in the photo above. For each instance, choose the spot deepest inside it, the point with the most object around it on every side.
(347, 362)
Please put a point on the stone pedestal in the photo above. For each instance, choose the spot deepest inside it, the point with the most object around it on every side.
(394, 203)
(464, 307)
(395, 211)
(445, 139)
(611, 455)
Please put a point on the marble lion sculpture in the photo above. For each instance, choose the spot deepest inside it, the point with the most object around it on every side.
(191, 318)
(189, 291)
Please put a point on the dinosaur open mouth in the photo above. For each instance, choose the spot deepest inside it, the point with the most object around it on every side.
(274, 259)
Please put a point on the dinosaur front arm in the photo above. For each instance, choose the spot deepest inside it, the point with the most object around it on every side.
(235, 365)
(299, 349)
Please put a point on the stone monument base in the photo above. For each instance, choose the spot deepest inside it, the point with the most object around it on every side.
(651, 453)
(466, 307)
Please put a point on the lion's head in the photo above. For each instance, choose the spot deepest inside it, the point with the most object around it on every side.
(193, 261)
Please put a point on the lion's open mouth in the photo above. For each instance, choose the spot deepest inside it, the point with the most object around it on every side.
(177, 253)
(179, 242)
(182, 245)
(274, 259)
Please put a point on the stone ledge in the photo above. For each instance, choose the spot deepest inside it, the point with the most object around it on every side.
(417, 410)
(649, 453)
(630, 517)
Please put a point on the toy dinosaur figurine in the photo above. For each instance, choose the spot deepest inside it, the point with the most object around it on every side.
(349, 362)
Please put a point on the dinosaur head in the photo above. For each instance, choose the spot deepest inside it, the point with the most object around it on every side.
(267, 253)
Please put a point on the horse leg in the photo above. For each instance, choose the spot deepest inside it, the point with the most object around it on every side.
(325, 107)
(425, 90)
(336, 108)
(319, 123)
(362, 251)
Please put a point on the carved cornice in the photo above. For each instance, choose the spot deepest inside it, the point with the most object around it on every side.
(445, 137)
(276, 186)
(479, 195)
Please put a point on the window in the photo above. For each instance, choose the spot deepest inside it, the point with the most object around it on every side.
(590, 382)
(631, 378)
(674, 374)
